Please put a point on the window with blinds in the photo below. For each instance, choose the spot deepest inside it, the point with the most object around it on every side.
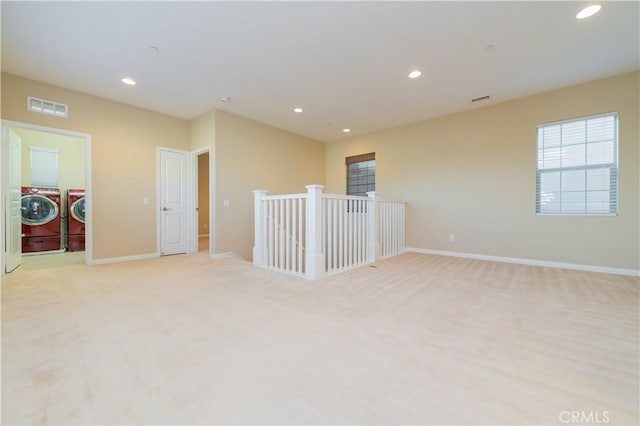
(577, 171)
(361, 174)
(44, 167)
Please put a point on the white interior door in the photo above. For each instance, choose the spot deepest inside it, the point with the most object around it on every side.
(13, 214)
(174, 202)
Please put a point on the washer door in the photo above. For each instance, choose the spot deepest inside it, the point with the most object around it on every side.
(77, 210)
(38, 210)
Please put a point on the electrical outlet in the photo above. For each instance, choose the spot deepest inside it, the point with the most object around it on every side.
(452, 237)
(226, 203)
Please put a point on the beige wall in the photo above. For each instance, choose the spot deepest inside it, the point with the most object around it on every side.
(124, 141)
(203, 135)
(203, 194)
(473, 175)
(203, 131)
(251, 155)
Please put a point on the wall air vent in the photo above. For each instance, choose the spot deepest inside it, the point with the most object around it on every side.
(44, 106)
(481, 98)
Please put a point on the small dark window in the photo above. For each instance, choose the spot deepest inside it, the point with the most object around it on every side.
(361, 174)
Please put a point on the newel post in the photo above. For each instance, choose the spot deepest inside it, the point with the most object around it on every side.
(373, 225)
(258, 238)
(314, 256)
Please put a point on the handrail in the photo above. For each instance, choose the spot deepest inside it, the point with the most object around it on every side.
(285, 197)
(345, 197)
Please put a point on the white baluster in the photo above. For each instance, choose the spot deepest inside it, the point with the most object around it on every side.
(301, 242)
(373, 250)
(334, 251)
(272, 224)
(356, 231)
(281, 234)
(294, 235)
(287, 236)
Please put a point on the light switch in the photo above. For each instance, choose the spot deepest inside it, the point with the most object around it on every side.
(145, 201)
(226, 203)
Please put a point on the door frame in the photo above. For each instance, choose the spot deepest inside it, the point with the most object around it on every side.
(8, 248)
(191, 199)
(194, 219)
(87, 182)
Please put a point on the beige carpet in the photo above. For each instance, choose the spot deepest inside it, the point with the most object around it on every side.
(418, 339)
(50, 261)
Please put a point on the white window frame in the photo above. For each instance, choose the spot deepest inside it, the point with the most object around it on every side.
(614, 188)
(358, 159)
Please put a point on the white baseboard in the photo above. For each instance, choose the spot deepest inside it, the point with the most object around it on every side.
(532, 262)
(108, 260)
(44, 253)
(225, 255)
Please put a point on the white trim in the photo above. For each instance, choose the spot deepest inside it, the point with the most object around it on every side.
(88, 188)
(532, 262)
(44, 253)
(226, 255)
(10, 123)
(108, 260)
(579, 214)
(158, 195)
(579, 118)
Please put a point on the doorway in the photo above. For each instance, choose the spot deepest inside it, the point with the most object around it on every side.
(202, 188)
(67, 161)
(184, 187)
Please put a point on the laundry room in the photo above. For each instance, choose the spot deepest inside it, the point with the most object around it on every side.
(53, 185)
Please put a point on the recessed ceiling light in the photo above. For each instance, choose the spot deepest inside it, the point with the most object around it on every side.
(588, 11)
(415, 74)
(346, 130)
(128, 81)
(298, 110)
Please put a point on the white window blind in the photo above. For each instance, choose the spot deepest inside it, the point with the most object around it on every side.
(44, 167)
(577, 169)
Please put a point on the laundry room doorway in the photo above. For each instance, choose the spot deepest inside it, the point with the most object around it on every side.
(53, 163)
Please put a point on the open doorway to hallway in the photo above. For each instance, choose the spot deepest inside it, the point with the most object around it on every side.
(203, 201)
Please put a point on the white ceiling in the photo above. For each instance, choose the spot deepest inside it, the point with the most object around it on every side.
(345, 63)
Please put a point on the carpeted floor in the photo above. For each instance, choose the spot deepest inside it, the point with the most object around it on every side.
(417, 339)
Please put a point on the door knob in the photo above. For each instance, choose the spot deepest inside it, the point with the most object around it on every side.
(164, 209)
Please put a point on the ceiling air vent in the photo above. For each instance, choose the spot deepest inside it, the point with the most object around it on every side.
(481, 98)
(44, 106)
